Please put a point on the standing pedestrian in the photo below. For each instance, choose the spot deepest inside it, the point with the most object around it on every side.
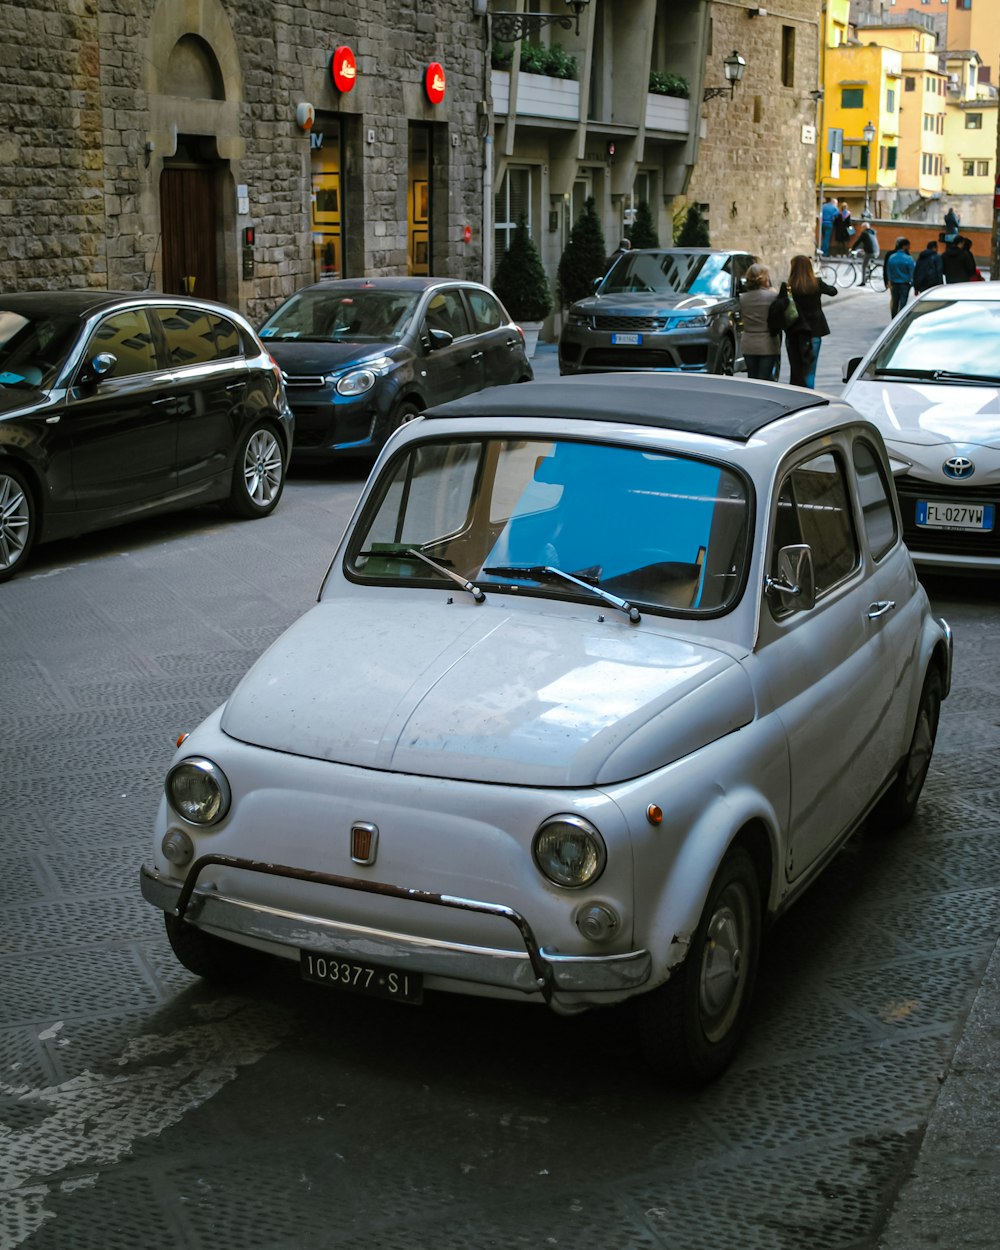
(804, 337)
(624, 246)
(899, 267)
(951, 224)
(842, 231)
(761, 347)
(927, 271)
(827, 216)
(957, 262)
(975, 276)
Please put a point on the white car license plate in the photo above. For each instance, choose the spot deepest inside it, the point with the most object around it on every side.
(626, 340)
(369, 979)
(954, 516)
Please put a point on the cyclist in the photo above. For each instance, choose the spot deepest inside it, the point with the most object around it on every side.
(868, 243)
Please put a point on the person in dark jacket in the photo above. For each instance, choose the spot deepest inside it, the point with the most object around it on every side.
(928, 271)
(868, 243)
(958, 262)
(951, 222)
(899, 268)
(804, 337)
(842, 231)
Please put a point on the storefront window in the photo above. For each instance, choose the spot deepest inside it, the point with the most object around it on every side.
(327, 200)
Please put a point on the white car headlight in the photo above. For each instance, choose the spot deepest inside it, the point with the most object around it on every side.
(357, 381)
(569, 851)
(198, 791)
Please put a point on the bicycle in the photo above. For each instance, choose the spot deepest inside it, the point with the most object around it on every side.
(835, 270)
(872, 272)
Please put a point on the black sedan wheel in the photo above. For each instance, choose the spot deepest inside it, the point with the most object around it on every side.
(17, 520)
(258, 474)
(691, 1027)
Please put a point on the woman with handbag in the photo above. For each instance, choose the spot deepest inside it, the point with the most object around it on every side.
(805, 321)
(761, 347)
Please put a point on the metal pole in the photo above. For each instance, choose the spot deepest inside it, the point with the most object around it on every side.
(995, 243)
(868, 165)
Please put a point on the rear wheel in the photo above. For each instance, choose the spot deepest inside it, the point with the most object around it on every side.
(18, 520)
(691, 1027)
(899, 804)
(258, 473)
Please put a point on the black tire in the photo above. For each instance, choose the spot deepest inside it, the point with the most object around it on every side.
(691, 1027)
(829, 274)
(898, 805)
(258, 472)
(208, 956)
(401, 415)
(876, 279)
(18, 520)
(725, 358)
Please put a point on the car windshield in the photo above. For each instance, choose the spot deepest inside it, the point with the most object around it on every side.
(33, 346)
(670, 273)
(942, 338)
(343, 316)
(558, 518)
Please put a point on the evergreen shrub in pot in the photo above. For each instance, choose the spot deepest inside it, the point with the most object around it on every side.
(522, 285)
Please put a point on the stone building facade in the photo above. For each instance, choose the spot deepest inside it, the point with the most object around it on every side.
(167, 144)
(756, 169)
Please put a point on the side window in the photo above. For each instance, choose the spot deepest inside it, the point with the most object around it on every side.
(876, 500)
(814, 508)
(486, 313)
(447, 312)
(126, 335)
(188, 335)
(228, 342)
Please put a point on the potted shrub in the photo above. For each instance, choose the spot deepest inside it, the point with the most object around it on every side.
(584, 258)
(694, 232)
(522, 285)
(643, 232)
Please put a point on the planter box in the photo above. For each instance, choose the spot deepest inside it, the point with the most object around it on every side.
(667, 112)
(537, 96)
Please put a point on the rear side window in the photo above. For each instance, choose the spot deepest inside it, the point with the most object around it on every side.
(228, 342)
(814, 507)
(188, 335)
(127, 337)
(486, 314)
(876, 500)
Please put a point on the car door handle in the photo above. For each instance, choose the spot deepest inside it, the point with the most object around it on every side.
(476, 356)
(879, 608)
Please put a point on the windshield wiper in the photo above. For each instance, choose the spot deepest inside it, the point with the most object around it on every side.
(457, 578)
(538, 572)
(948, 375)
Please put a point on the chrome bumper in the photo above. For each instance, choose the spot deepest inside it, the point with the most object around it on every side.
(535, 971)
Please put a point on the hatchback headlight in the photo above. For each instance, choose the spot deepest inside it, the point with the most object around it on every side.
(358, 381)
(198, 791)
(569, 851)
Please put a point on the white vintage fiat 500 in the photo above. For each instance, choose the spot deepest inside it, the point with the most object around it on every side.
(603, 673)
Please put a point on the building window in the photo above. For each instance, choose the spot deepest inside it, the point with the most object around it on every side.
(854, 156)
(788, 56)
(968, 169)
(890, 100)
(852, 97)
(909, 84)
(973, 121)
(513, 200)
(890, 158)
(983, 169)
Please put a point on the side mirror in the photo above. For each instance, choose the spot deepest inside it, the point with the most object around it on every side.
(794, 584)
(100, 366)
(850, 368)
(439, 338)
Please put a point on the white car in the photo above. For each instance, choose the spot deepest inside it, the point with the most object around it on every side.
(931, 383)
(603, 673)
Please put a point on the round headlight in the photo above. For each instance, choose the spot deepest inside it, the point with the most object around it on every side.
(198, 790)
(356, 382)
(569, 851)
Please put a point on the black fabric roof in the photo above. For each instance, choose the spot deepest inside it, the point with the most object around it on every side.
(699, 404)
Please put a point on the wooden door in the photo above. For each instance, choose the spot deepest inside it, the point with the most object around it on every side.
(188, 219)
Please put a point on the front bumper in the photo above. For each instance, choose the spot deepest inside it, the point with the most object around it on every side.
(535, 971)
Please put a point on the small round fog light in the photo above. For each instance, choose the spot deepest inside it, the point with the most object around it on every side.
(598, 923)
(177, 847)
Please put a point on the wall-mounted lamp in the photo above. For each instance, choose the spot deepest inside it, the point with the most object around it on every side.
(305, 115)
(757, 12)
(509, 27)
(734, 65)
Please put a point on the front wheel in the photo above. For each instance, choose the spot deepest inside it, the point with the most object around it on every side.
(402, 415)
(725, 358)
(258, 473)
(876, 279)
(898, 805)
(206, 955)
(691, 1027)
(18, 520)
(846, 273)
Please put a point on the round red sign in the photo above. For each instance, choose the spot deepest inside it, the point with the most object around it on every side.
(434, 82)
(343, 69)
(467, 234)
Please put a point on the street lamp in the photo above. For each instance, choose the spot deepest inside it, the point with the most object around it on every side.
(509, 27)
(868, 134)
(734, 65)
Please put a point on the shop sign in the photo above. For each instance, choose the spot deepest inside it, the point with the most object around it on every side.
(343, 69)
(434, 83)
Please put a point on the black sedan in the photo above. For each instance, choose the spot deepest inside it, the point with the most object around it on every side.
(362, 356)
(115, 406)
(673, 309)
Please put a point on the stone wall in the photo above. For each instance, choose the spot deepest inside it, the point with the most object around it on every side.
(754, 171)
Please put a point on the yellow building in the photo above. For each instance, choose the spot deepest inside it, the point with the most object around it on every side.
(976, 26)
(862, 92)
(970, 139)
